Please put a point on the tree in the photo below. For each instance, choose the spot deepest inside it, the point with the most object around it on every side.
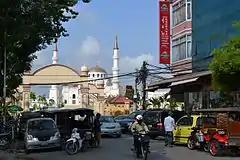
(29, 26)
(51, 102)
(156, 102)
(225, 66)
(33, 96)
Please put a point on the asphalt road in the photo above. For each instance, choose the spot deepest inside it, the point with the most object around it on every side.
(119, 149)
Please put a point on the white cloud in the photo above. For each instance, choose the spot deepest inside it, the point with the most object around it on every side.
(43, 58)
(129, 64)
(90, 46)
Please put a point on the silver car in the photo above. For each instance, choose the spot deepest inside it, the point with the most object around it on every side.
(110, 127)
(41, 133)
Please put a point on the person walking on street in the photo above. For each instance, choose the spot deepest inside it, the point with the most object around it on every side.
(97, 129)
(169, 126)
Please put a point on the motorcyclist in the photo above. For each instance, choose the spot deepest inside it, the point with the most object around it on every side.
(138, 126)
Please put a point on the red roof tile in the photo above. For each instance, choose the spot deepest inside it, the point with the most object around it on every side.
(120, 100)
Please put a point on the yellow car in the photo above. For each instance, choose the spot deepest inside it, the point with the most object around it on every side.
(184, 128)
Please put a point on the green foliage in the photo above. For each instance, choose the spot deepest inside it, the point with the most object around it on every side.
(29, 26)
(225, 66)
(33, 96)
(51, 102)
(156, 102)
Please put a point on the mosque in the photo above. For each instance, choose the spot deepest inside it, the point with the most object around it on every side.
(68, 94)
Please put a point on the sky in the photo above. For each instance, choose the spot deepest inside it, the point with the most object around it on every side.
(92, 33)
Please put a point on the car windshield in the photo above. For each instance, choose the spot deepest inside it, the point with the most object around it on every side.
(41, 125)
(120, 117)
(151, 116)
(133, 114)
(107, 119)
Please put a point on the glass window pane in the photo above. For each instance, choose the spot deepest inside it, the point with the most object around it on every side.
(189, 49)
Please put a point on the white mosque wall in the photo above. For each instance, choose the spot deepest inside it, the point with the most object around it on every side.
(70, 95)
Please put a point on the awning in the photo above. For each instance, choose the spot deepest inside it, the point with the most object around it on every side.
(183, 81)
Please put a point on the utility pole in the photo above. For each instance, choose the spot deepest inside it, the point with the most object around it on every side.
(5, 70)
(144, 75)
(135, 96)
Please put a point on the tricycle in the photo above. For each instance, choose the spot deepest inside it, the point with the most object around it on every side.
(227, 133)
(68, 119)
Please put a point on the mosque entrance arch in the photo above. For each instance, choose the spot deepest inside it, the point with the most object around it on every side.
(53, 74)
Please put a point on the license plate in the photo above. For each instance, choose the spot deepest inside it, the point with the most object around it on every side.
(150, 126)
(44, 144)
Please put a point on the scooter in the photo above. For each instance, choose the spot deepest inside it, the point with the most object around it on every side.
(198, 139)
(143, 148)
(75, 143)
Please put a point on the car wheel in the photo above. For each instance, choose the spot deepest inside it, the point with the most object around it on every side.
(214, 148)
(190, 143)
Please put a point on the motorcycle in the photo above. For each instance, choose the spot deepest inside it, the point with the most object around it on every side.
(143, 145)
(198, 139)
(76, 143)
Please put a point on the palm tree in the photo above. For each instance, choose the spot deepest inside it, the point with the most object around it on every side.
(33, 96)
(42, 101)
(156, 102)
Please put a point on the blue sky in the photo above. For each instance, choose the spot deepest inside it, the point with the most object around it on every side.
(92, 35)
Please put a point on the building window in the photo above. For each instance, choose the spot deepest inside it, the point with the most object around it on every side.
(182, 48)
(189, 46)
(93, 75)
(97, 75)
(179, 12)
(189, 10)
(73, 96)
(73, 101)
(65, 101)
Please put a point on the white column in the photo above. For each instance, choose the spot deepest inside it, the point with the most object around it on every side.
(54, 92)
(115, 69)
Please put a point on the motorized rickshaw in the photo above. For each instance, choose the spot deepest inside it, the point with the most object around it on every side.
(194, 130)
(68, 119)
(227, 133)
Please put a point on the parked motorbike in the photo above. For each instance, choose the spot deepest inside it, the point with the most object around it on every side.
(142, 149)
(76, 143)
(198, 139)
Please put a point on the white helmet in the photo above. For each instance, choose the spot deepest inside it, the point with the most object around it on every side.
(139, 117)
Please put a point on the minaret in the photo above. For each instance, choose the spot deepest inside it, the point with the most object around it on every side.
(54, 93)
(115, 70)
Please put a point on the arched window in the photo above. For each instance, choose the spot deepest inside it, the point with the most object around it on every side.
(93, 75)
(73, 96)
(97, 75)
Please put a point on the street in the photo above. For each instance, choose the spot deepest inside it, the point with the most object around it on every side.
(119, 149)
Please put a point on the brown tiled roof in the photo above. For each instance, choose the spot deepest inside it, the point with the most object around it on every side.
(119, 100)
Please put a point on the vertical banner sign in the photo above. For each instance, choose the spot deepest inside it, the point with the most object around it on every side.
(164, 32)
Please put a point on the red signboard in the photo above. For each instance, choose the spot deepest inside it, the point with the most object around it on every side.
(164, 32)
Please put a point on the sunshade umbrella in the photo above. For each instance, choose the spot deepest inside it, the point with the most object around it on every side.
(15, 108)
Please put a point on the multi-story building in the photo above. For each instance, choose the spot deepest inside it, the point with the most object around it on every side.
(181, 15)
(212, 26)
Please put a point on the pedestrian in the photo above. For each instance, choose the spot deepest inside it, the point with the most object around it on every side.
(169, 126)
(97, 129)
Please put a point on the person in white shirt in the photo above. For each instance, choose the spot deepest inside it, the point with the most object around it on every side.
(169, 126)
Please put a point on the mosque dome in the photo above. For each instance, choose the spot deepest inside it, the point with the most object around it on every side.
(97, 69)
(84, 68)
